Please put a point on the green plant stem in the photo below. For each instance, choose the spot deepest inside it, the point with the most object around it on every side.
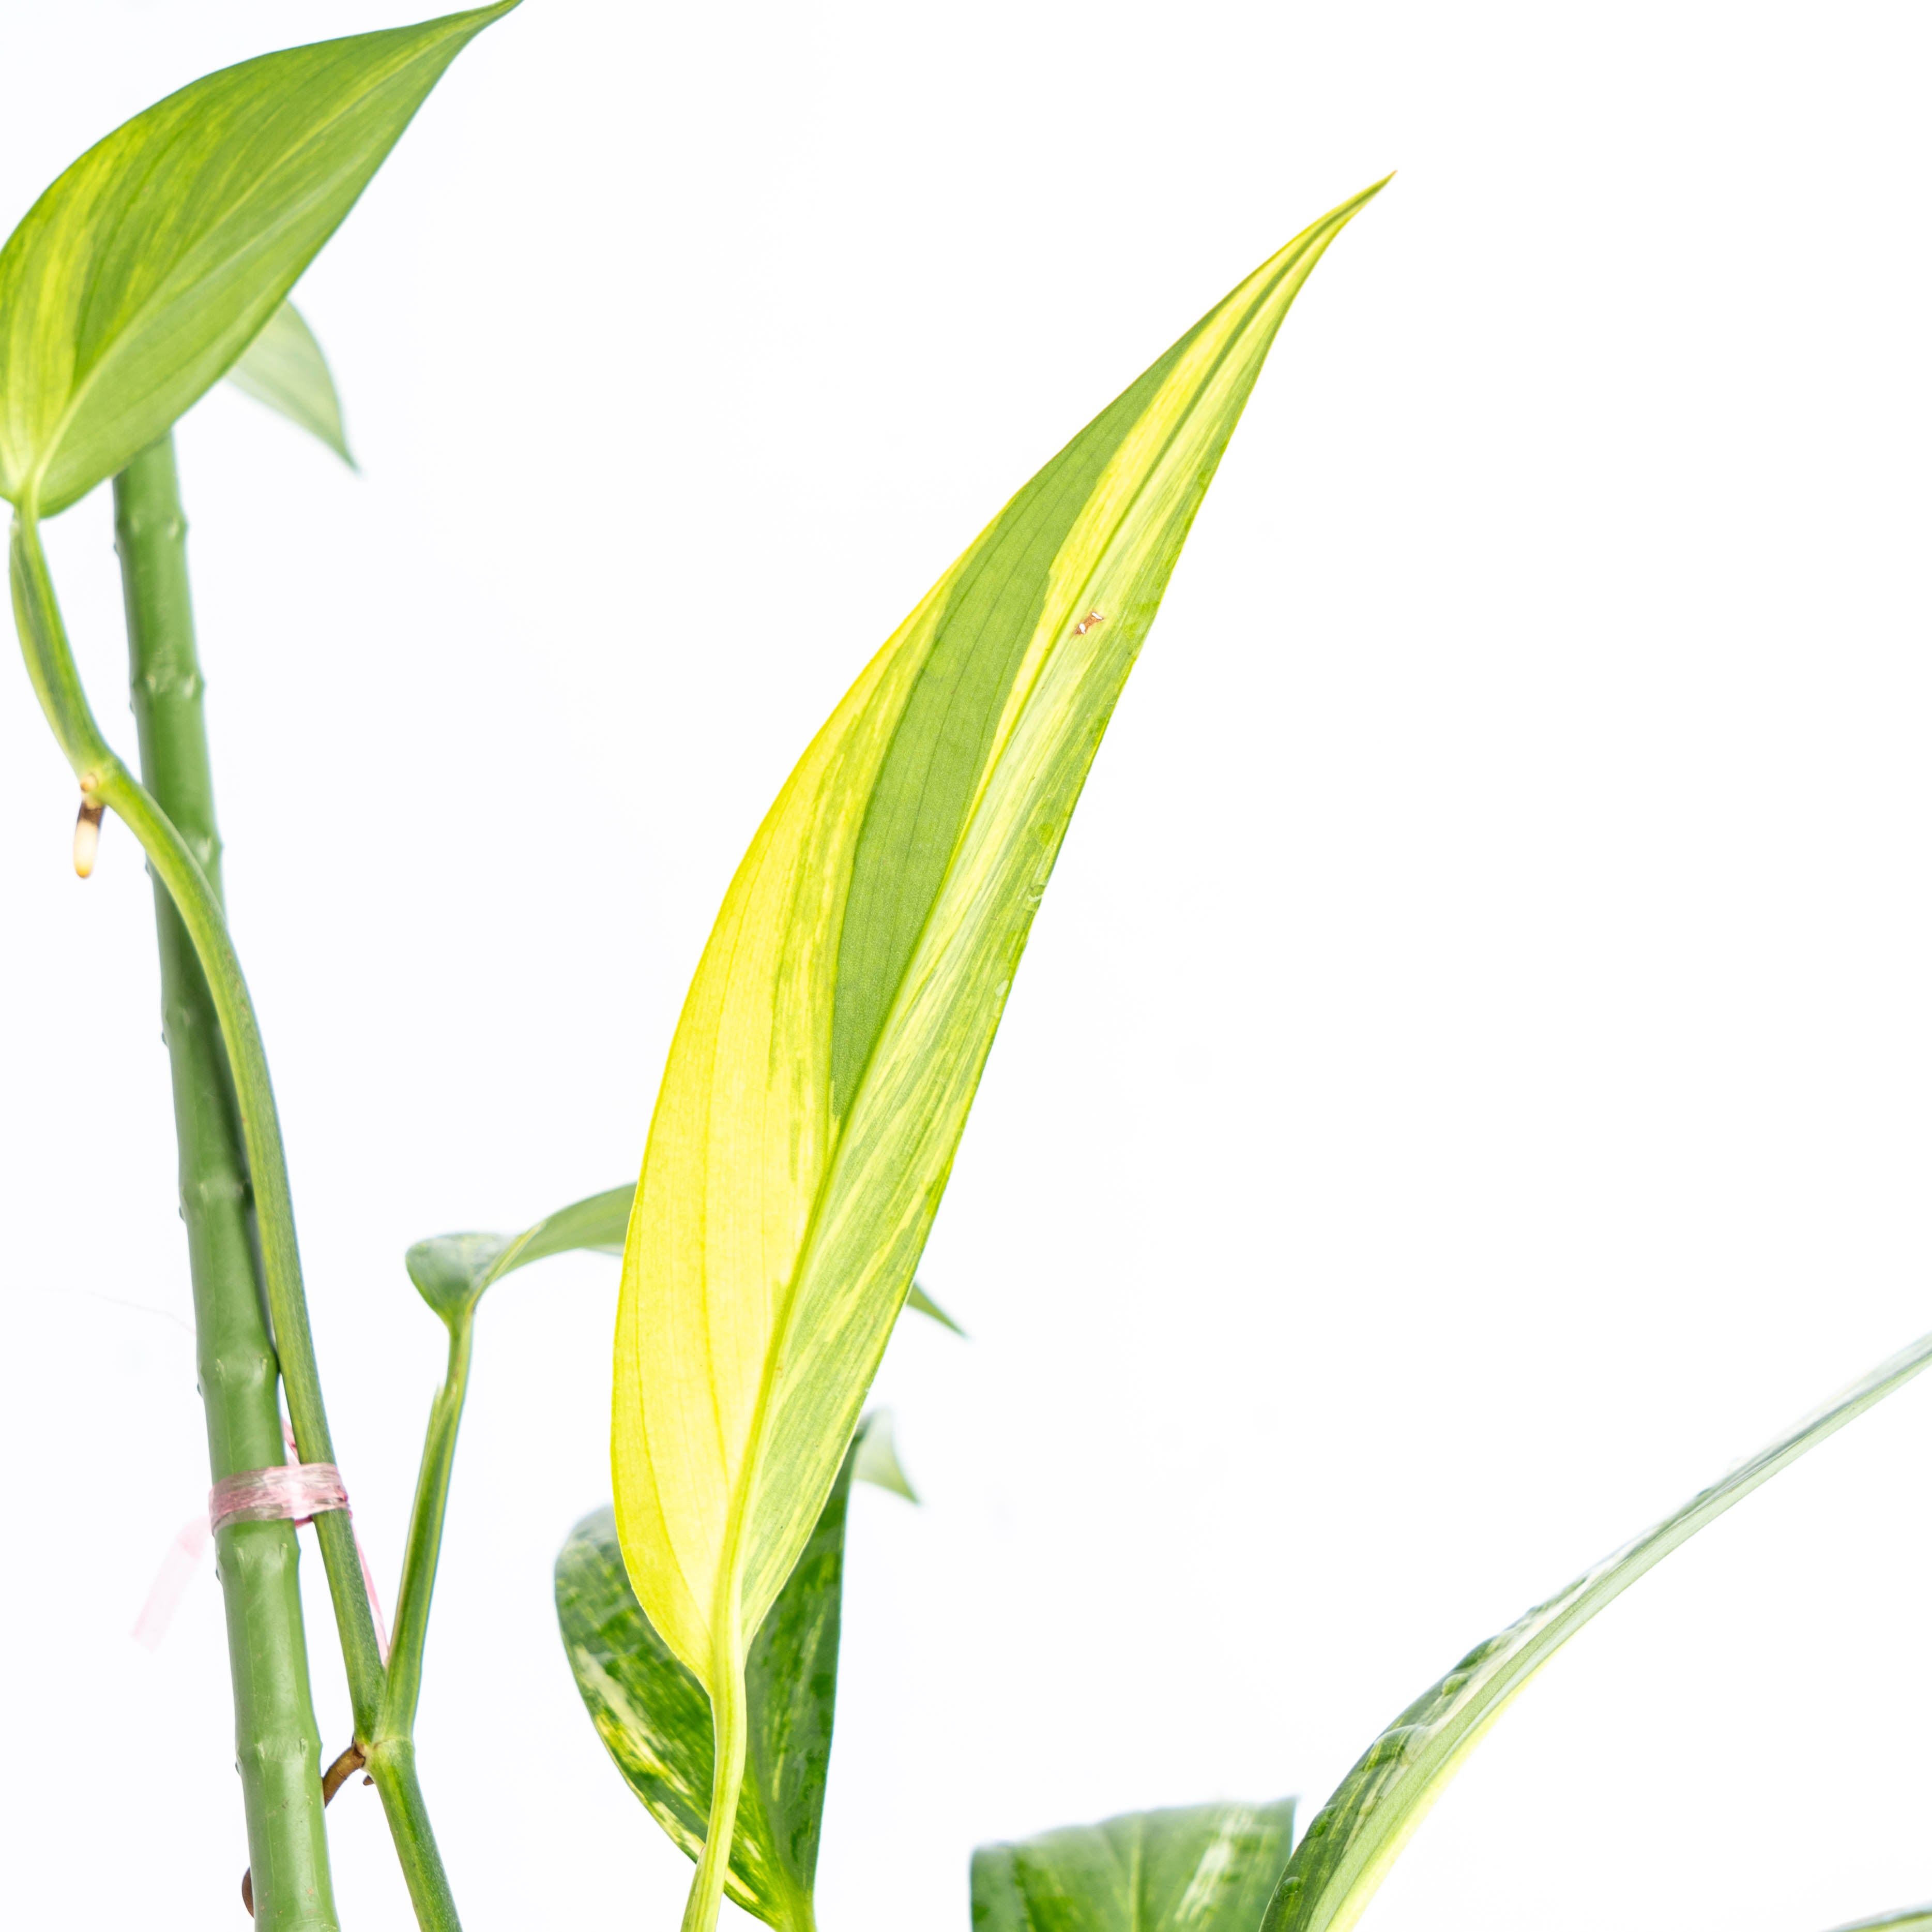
(392, 1752)
(278, 1747)
(727, 1781)
(393, 1766)
(106, 781)
(404, 1688)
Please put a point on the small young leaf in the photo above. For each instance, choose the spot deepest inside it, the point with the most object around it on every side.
(876, 1458)
(284, 367)
(138, 278)
(1200, 1868)
(835, 1032)
(917, 1298)
(655, 1719)
(1347, 1850)
(450, 1271)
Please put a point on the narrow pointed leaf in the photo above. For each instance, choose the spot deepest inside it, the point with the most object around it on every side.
(1911, 1918)
(284, 367)
(138, 278)
(452, 1271)
(917, 1298)
(1200, 1868)
(835, 1032)
(1360, 1832)
(877, 1457)
(655, 1719)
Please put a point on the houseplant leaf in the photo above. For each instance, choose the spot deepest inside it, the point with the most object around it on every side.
(1362, 1829)
(655, 1719)
(878, 1456)
(834, 1034)
(284, 367)
(452, 1271)
(141, 275)
(1198, 1868)
(917, 1298)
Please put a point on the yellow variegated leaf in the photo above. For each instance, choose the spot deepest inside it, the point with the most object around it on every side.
(833, 1037)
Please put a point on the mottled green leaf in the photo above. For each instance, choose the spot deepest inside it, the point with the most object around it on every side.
(1360, 1832)
(138, 278)
(1199, 1868)
(655, 1719)
(284, 367)
(452, 1271)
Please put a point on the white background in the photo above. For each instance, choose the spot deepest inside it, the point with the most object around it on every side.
(1472, 1078)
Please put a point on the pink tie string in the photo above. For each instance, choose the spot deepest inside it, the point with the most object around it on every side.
(296, 1493)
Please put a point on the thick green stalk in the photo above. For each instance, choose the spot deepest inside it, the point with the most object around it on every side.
(277, 1746)
(106, 781)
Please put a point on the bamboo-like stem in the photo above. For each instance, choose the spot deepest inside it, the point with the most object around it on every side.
(278, 1745)
(104, 780)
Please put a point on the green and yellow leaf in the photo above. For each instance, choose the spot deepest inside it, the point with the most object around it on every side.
(140, 277)
(834, 1035)
(1199, 1868)
(284, 367)
(656, 1720)
(1361, 1830)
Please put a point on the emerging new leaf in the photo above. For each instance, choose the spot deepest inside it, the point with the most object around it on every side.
(656, 1720)
(1359, 1832)
(452, 1271)
(138, 278)
(1202, 1868)
(284, 367)
(835, 1032)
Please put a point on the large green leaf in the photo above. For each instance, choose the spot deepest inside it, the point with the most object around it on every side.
(1362, 1829)
(835, 1032)
(142, 275)
(655, 1719)
(284, 367)
(1200, 1868)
